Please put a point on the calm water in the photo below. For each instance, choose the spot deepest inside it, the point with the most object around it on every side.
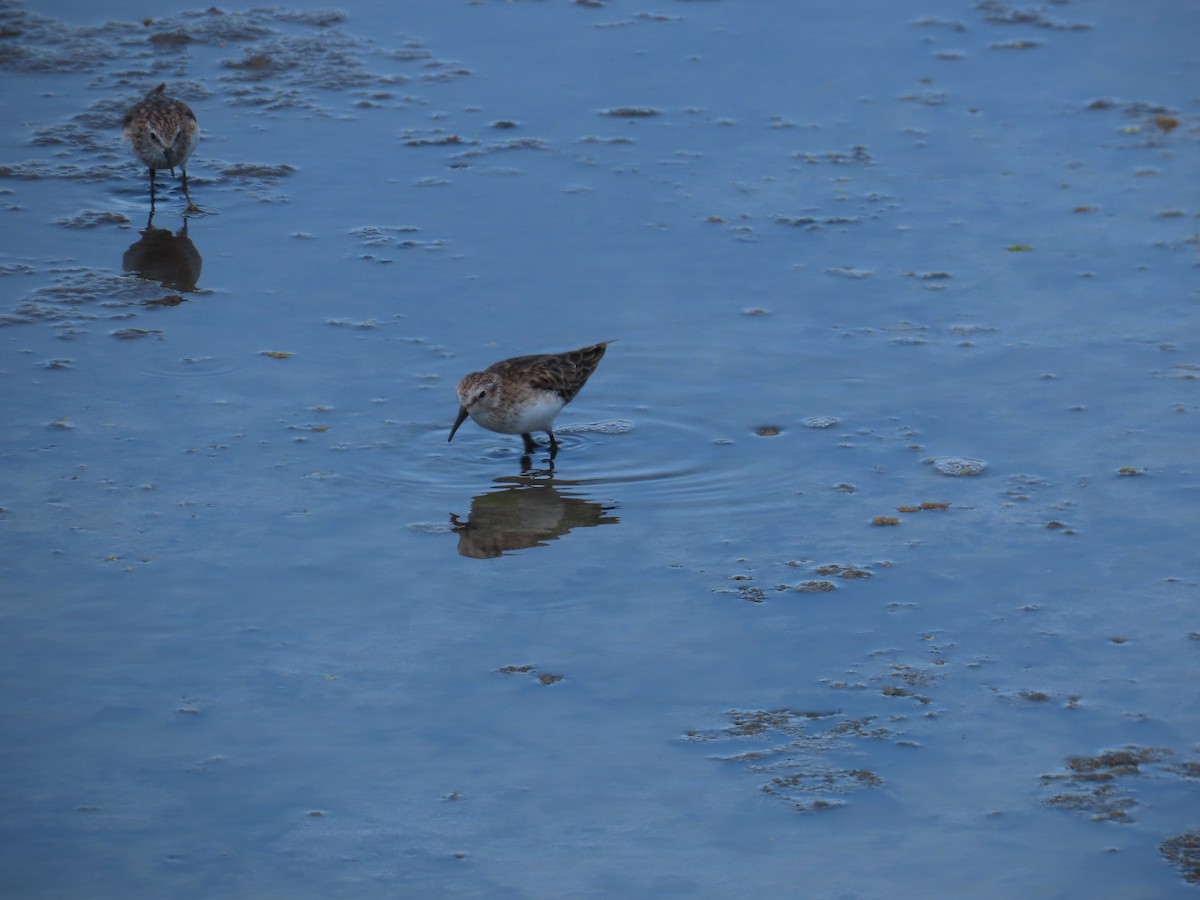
(868, 566)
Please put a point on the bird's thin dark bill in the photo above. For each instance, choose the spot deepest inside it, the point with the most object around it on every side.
(462, 417)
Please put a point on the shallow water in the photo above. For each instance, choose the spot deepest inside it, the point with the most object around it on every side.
(266, 633)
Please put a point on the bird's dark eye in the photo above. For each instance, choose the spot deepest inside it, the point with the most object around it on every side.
(482, 394)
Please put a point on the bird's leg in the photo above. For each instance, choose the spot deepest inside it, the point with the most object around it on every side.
(530, 443)
(553, 444)
(191, 207)
(151, 190)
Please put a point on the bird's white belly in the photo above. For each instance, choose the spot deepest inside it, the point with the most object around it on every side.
(535, 412)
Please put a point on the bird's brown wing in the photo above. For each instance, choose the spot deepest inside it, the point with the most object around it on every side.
(563, 373)
(567, 373)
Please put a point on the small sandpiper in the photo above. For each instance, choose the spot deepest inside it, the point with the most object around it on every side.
(162, 132)
(524, 394)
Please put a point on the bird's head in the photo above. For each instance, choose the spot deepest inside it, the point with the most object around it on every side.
(475, 394)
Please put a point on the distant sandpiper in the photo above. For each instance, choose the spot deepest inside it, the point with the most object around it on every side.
(162, 133)
(524, 394)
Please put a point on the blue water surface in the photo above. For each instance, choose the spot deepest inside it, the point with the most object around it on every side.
(868, 564)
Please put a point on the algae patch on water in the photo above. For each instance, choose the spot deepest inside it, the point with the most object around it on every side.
(799, 752)
(1101, 786)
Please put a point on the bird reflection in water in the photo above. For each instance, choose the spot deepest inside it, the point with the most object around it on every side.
(169, 258)
(528, 513)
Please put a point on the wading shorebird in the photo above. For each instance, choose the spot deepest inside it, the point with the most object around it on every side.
(162, 132)
(524, 394)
